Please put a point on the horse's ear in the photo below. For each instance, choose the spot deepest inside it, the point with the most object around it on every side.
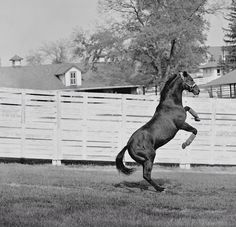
(185, 74)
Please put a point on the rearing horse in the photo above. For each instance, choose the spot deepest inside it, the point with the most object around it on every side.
(168, 119)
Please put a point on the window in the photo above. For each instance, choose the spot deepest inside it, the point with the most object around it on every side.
(73, 78)
(218, 72)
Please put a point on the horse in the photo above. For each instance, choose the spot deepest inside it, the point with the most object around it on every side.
(168, 119)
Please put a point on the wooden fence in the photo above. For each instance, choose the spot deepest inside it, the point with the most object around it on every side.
(95, 126)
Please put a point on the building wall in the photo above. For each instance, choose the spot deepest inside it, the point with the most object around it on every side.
(212, 72)
(210, 69)
(207, 75)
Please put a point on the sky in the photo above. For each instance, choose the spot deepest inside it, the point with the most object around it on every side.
(215, 34)
(27, 24)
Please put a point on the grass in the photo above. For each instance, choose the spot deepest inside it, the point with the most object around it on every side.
(43, 195)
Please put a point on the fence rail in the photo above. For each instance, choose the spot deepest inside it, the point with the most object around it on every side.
(95, 126)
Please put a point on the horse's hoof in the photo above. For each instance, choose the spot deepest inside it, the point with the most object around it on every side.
(184, 145)
(160, 189)
(165, 190)
(197, 119)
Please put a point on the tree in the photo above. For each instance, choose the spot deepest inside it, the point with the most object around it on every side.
(101, 43)
(229, 63)
(56, 52)
(51, 52)
(166, 36)
(34, 58)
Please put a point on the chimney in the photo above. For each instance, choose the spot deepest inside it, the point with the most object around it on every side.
(16, 61)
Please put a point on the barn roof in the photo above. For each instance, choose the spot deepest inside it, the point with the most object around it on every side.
(63, 68)
(33, 77)
(103, 77)
(229, 78)
(45, 77)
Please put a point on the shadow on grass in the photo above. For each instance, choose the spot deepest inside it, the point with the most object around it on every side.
(143, 185)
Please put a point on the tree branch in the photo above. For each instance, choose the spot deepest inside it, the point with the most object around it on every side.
(173, 42)
(136, 12)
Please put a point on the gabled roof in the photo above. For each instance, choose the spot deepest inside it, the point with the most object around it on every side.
(211, 64)
(33, 77)
(63, 68)
(229, 78)
(16, 58)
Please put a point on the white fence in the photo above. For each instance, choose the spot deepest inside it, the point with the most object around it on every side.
(95, 126)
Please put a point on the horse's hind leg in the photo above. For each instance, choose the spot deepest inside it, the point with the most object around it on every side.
(147, 169)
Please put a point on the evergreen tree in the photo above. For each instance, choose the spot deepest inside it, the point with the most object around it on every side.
(229, 63)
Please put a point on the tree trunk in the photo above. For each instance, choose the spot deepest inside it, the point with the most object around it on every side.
(165, 75)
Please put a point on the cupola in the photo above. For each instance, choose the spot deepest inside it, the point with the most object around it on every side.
(16, 60)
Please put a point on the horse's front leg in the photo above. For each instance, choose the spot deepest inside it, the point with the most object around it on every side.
(189, 128)
(192, 112)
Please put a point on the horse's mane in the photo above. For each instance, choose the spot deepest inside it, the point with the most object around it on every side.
(167, 84)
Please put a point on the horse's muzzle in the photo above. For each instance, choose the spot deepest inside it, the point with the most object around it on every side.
(195, 89)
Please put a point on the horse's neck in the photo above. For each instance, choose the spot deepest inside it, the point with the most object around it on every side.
(174, 95)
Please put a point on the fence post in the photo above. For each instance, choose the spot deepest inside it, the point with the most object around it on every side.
(122, 133)
(85, 126)
(185, 154)
(57, 156)
(185, 162)
(213, 131)
(23, 113)
(185, 159)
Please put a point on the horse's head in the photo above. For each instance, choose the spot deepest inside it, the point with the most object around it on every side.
(189, 84)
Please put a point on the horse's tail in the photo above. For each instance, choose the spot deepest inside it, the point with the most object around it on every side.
(120, 165)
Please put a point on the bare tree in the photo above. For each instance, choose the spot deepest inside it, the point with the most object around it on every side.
(51, 52)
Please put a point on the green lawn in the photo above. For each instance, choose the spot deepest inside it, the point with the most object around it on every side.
(43, 195)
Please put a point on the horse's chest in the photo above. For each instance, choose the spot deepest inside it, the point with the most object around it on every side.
(179, 118)
(179, 121)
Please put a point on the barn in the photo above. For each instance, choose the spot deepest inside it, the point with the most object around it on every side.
(64, 76)
(222, 87)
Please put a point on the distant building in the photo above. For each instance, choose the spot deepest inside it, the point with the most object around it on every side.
(16, 60)
(211, 69)
(223, 87)
(67, 76)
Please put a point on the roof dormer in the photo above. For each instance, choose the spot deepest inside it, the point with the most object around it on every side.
(70, 75)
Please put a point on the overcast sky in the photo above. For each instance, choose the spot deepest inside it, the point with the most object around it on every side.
(26, 24)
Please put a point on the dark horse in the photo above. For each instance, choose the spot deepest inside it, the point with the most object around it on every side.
(168, 119)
